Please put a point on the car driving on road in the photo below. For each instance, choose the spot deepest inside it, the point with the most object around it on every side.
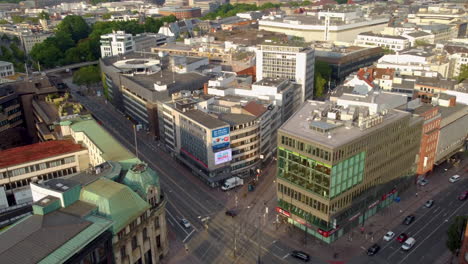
(429, 204)
(389, 236)
(463, 196)
(402, 237)
(409, 219)
(300, 255)
(185, 223)
(373, 250)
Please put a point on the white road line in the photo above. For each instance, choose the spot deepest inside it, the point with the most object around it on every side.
(412, 251)
(170, 222)
(175, 220)
(285, 256)
(183, 241)
(278, 247)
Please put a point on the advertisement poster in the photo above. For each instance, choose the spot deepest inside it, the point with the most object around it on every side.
(220, 138)
(223, 156)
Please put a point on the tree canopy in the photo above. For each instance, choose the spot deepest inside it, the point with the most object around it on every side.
(228, 10)
(454, 233)
(87, 75)
(322, 74)
(463, 73)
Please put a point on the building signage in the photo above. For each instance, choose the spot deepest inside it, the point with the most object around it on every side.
(372, 205)
(283, 212)
(220, 138)
(223, 156)
(385, 196)
(354, 216)
(327, 233)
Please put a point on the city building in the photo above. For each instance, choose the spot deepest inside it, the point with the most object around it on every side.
(144, 42)
(180, 12)
(116, 43)
(182, 28)
(457, 61)
(342, 24)
(294, 62)
(28, 40)
(10, 108)
(136, 84)
(333, 171)
(6, 69)
(419, 37)
(41, 161)
(442, 13)
(345, 59)
(395, 43)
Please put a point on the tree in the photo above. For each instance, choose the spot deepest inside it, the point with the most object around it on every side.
(87, 76)
(107, 16)
(463, 73)
(44, 15)
(74, 25)
(322, 74)
(5, 37)
(319, 86)
(421, 42)
(17, 19)
(454, 233)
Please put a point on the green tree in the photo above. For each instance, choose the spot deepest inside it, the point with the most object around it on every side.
(107, 16)
(340, 2)
(454, 233)
(322, 74)
(3, 22)
(18, 54)
(421, 42)
(463, 73)
(319, 86)
(44, 15)
(87, 76)
(74, 25)
(47, 55)
(5, 37)
(17, 19)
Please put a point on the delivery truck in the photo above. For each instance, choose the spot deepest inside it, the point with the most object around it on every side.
(232, 183)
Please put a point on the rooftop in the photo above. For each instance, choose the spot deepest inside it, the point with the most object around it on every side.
(36, 152)
(236, 119)
(370, 33)
(205, 119)
(303, 125)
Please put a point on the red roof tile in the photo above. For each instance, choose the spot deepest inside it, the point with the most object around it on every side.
(255, 108)
(38, 151)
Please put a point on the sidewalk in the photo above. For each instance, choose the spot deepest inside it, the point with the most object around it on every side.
(379, 224)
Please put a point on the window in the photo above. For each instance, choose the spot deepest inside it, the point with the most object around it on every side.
(134, 242)
(145, 233)
(158, 241)
(122, 252)
(133, 225)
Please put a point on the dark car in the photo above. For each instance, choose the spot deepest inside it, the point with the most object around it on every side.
(402, 237)
(429, 204)
(463, 196)
(231, 213)
(300, 255)
(409, 219)
(373, 250)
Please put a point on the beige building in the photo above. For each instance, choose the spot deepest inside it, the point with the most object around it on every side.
(41, 161)
(338, 164)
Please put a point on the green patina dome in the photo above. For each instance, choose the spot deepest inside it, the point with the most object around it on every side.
(139, 177)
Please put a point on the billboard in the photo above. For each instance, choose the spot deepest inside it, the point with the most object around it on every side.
(223, 156)
(220, 138)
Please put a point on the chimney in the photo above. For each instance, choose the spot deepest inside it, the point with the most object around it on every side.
(205, 88)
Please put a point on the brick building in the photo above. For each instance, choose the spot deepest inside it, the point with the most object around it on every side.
(180, 12)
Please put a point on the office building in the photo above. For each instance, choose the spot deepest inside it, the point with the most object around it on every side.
(116, 43)
(287, 61)
(6, 69)
(395, 43)
(333, 171)
(144, 42)
(41, 161)
(342, 24)
(28, 40)
(181, 12)
(10, 109)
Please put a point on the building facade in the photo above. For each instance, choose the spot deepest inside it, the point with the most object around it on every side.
(116, 43)
(395, 43)
(6, 69)
(10, 108)
(333, 173)
(294, 63)
(181, 12)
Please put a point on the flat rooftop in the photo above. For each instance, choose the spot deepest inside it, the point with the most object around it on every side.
(36, 152)
(204, 119)
(299, 126)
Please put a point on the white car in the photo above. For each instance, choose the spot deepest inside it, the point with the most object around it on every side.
(389, 236)
(185, 223)
(454, 178)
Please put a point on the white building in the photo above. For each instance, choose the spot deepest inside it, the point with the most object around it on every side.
(457, 60)
(291, 62)
(116, 43)
(6, 69)
(28, 40)
(395, 43)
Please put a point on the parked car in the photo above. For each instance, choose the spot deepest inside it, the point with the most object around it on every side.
(463, 196)
(409, 243)
(409, 219)
(373, 250)
(423, 182)
(300, 255)
(185, 223)
(454, 178)
(389, 236)
(402, 237)
(429, 204)
(231, 213)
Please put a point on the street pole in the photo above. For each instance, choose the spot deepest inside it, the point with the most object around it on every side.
(136, 142)
(259, 261)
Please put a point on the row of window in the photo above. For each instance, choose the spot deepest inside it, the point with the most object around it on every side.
(37, 167)
(301, 197)
(48, 176)
(312, 150)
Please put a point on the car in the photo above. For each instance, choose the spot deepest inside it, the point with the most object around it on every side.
(231, 213)
(300, 255)
(185, 223)
(402, 237)
(454, 178)
(463, 196)
(373, 250)
(409, 219)
(409, 243)
(423, 182)
(429, 204)
(389, 236)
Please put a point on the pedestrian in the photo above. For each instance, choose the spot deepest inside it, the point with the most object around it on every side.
(416, 194)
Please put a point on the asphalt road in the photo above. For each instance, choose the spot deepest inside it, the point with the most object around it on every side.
(216, 239)
(429, 229)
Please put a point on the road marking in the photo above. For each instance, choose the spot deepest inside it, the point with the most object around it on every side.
(285, 256)
(183, 241)
(170, 222)
(175, 220)
(412, 251)
(279, 247)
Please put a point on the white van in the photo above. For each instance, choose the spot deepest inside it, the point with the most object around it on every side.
(409, 243)
(454, 178)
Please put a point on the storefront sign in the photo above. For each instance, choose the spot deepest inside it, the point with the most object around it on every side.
(283, 212)
(374, 204)
(327, 233)
(354, 216)
(385, 196)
